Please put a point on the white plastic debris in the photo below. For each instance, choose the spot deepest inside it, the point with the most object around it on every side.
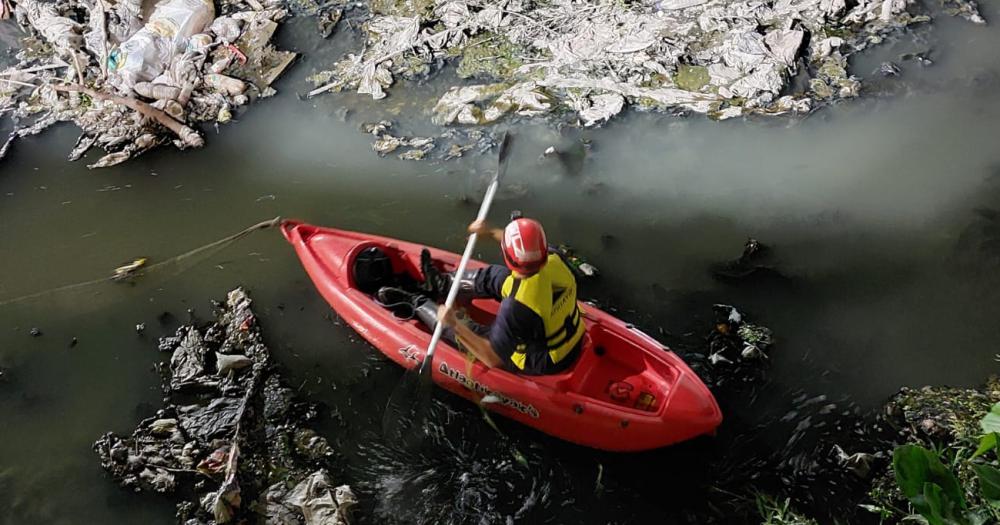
(601, 108)
(152, 89)
(149, 51)
(225, 84)
(226, 28)
(320, 503)
(597, 56)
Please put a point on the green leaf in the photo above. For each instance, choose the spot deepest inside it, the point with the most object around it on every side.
(943, 477)
(910, 465)
(991, 421)
(936, 504)
(916, 467)
(989, 483)
(986, 443)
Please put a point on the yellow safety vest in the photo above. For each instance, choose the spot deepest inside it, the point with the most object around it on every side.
(550, 293)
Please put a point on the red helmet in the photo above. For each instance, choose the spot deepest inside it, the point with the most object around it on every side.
(524, 248)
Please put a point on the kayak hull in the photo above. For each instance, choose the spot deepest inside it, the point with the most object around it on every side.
(625, 392)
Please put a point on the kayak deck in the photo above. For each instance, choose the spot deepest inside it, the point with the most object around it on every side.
(625, 392)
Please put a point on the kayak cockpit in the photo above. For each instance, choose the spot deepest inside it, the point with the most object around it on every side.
(612, 368)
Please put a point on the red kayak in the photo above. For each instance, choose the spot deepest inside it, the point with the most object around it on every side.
(626, 391)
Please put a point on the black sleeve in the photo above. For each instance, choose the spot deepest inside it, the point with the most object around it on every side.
(489, 281)
(516, 329)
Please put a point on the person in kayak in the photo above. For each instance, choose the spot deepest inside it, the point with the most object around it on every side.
(537, 330)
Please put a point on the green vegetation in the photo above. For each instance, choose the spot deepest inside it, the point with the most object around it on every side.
(489, 56)
(954, 483)
(422, 8)
(691, 78)
(775, 512)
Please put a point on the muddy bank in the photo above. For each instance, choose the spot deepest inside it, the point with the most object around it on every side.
(232, 441)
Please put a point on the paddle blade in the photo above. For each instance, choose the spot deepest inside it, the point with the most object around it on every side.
(505, 143)
(406, 412)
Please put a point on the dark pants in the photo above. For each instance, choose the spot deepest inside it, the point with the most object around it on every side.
(427, 313)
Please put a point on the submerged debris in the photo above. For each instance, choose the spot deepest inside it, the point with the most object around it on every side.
(723, 58)
(385, 143)
(754, 264)
(128, 270)
(580, 267)
(450, 145)
(736, 339)
(231, 435)
(131, 84)
(888, 69)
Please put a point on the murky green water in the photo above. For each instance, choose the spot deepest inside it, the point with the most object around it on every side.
(870, 209)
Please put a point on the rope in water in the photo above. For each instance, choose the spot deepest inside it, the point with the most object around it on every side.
(217, 245)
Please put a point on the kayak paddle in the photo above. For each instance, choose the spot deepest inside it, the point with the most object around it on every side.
(404, 394)
(484, 210)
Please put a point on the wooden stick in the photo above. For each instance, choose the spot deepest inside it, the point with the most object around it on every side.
(34, 69)
(18, 82)
(103, 13)
(76, 66)
(187, 135)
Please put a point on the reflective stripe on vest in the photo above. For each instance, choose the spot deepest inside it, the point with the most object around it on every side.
(550, 293)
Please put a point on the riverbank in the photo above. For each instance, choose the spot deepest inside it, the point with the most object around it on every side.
(581, 63)
(585, 62)
(134, 75)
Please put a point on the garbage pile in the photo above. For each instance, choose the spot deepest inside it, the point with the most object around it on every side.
(939, 413)
(231, 439)
(592, 58)
(135, 74)
(735, 339)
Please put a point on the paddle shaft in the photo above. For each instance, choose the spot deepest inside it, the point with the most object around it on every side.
(484, 210)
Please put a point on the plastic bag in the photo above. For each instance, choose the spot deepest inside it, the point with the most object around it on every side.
(148, 52)
(227, 28)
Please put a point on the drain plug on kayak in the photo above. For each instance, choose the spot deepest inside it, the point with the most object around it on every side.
(624, 423)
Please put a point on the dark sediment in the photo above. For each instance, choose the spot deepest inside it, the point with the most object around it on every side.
(231, 442)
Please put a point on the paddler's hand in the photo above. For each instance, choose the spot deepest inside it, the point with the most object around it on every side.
(446, 316)
(483, 229)
(480, 227)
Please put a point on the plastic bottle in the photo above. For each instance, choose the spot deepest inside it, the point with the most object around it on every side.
(577, 263)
